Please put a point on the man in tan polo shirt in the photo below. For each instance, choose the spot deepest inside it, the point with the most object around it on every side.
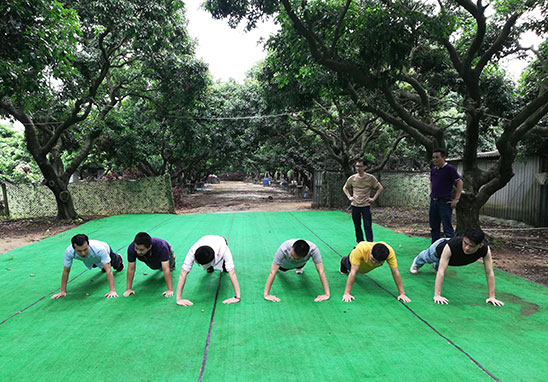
(362, 184)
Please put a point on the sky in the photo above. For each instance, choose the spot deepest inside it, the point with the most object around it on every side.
(230, 53)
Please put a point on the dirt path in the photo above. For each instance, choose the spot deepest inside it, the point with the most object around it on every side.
(241, 196)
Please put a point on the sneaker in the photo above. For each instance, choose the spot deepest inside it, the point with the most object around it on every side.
(343, 270)
(298, 271)
(414, 269)
(121, 267)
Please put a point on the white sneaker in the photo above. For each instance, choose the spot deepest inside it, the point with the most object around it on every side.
(414, 270)
(298, 271)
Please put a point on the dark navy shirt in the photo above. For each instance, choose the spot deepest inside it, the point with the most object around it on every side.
(160, 251)
(458, 257)
(442, 180)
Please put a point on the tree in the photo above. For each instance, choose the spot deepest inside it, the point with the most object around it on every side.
(411, 63)
(68, 64)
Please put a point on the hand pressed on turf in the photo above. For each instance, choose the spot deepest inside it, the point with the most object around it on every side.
(168, 293)
(58, 295)
(322, 297)
(494, 301)
(347, 297)
(128, 292)
(111, 294)
(184, 302)
(440, 300)
(403, 298)
(231, 300)
(273, 298)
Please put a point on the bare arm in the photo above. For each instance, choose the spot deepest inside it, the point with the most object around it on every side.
(379, 190)
(399, 284)
(236, 286)
(444, 262)
(167, 277)
(64, 280)
(347, 193)
(129, 279)
(490, 276)
(180, 287)
(271, 276)
(325, 285)
(347, 297)
(110, 278)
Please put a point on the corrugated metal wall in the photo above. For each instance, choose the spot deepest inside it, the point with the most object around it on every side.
(523, 198)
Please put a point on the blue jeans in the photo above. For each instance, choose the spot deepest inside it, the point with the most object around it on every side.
(357, 214)
(428, 256)
(440, 212)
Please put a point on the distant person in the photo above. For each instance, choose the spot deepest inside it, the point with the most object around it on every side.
(266, 181)
(94, 254)
(364, 258)
(362, 184)
(156, 254)
(293, 254)
(458, 251)
(210, 252)
(442, 178)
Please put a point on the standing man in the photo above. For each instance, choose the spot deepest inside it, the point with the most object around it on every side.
(154, 252)
(362, 183)
(94, 254)
(458, 251)
(363, 259)
(293, 254)
(210, 252)
(442, 178)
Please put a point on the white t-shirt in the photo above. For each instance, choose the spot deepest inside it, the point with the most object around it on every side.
(220, 248)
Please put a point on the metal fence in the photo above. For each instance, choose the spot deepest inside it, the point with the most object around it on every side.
(113, 197)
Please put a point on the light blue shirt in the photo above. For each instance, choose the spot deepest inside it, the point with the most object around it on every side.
(99, 254)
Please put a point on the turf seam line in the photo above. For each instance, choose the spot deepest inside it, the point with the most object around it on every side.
(71, 280)
(409, 309)
(43, 297)
(208, 340)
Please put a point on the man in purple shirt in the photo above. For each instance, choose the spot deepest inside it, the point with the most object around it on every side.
(442, 178)
(154, 252)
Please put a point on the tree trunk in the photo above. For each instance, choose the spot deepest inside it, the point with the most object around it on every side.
(467, 214)
(65, 204)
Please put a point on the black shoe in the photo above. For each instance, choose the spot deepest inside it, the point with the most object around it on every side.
(343, 270)
(103, 270)
(210, 270)
(121, 267)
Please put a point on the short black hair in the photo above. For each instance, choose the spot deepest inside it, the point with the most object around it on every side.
(204, 254)
(476, 235)
(361, 160)
(301, 248)
(143, 238)
(443, 152)
(79, 239)
(380, 252)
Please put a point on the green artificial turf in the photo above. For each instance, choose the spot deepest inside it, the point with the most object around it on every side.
(146, 337)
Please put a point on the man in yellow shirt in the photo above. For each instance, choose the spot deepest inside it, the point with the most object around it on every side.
(365, 257)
